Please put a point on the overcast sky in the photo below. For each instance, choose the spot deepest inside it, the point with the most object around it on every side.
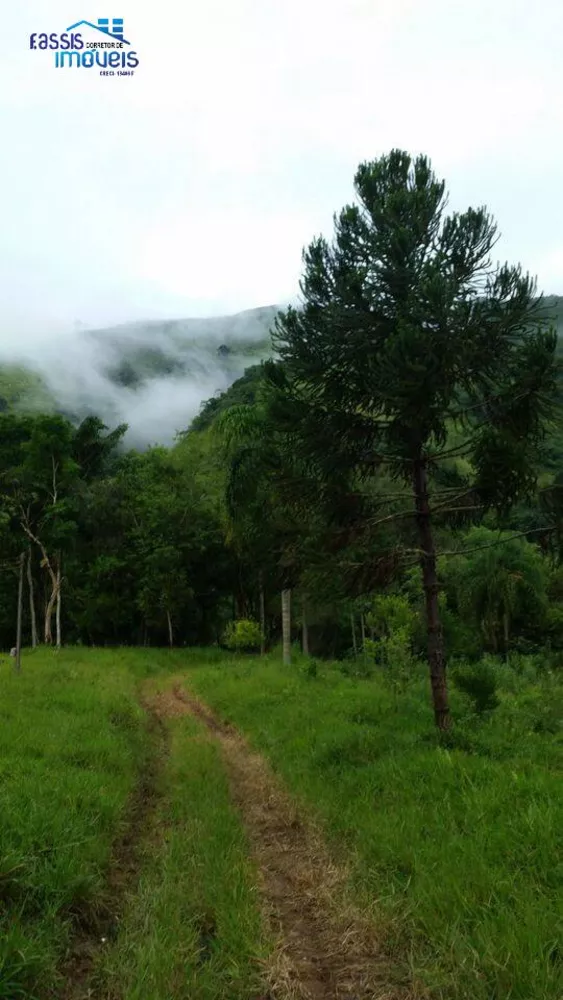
(190, 188)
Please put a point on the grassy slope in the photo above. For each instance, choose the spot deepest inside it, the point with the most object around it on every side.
(460, 852)
(23, 390)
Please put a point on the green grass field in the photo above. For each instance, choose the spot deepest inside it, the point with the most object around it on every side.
(455, 848)
(458, 851)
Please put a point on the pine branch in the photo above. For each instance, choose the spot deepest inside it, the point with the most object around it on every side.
(488, 545)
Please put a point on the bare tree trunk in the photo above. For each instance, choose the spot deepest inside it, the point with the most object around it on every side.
(55, 581)
(54, 600)
(436, 652)
(170, 632)
(19, 619)
(262, 615)
(48, 636)
(363, 628)
(31, 602)
(305, 626)
(58, 615)
(354, 640)
(286, 625)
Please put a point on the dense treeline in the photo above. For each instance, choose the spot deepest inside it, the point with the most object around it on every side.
(394, 474)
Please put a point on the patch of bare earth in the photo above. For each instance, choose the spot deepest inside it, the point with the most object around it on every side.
(94, 926)
(325, 948)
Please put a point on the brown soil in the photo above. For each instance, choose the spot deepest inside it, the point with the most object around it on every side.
(94, 926)
(326, 949)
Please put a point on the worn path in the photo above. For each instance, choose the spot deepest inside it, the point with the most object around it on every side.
(325, 948)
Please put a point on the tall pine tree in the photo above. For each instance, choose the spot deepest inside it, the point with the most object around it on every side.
(408, 334)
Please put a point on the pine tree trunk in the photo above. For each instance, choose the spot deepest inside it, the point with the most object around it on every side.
(305, 630)
(19, 619)
(286, 625)
(170, 631)
(262, 615)
(31, 602)
(58, 614)
(436, 652)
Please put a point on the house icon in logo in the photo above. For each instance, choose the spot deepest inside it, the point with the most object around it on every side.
(103, 25)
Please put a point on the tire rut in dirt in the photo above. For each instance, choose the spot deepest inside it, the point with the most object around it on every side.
(326, 949)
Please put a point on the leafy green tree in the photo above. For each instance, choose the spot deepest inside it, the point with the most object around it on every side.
(39, 491)
(407, 334)
(500, 585)
(261, 525)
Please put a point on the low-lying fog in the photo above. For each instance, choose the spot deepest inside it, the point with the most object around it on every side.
(169, 368)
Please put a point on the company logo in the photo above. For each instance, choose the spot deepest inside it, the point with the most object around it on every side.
(103, 25)
(111, 57)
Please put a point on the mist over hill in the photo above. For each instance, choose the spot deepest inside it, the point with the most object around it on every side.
(152, 376)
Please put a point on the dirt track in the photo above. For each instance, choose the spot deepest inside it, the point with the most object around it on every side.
(325, 949)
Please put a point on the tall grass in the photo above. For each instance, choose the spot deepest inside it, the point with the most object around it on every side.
(72, 738)
(457, 847)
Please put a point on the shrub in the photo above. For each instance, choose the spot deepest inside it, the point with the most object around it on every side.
(360, 667)
(554, 626)
(311, 669)
(480, 684)
(243, 636)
